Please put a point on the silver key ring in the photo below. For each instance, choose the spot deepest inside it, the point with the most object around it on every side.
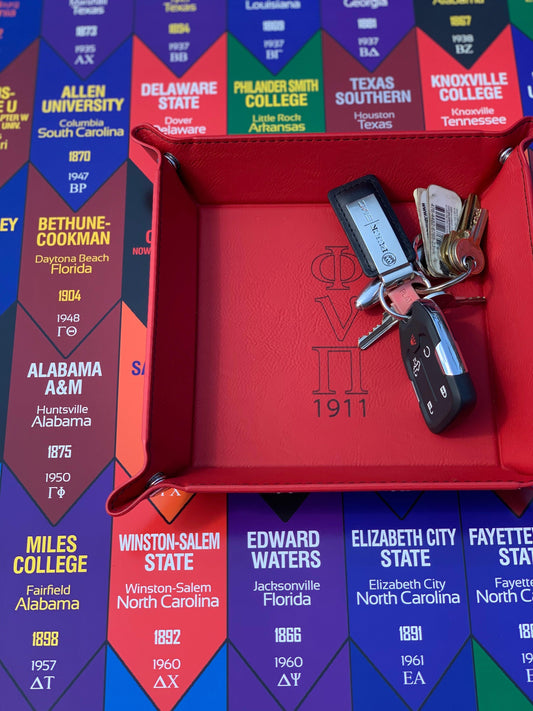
(469, 264)
(417, 276)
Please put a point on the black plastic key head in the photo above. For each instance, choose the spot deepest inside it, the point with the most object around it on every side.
(435, 366)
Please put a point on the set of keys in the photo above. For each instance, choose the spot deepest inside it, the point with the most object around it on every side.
(401, 273)
(450, 231)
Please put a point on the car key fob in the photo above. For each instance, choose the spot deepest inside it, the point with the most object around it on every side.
(435, 366)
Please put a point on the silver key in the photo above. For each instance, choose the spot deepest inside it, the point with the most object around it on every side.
(445, 300)
(387, 323)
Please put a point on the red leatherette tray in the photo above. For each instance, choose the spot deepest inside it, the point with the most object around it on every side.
(254, 381)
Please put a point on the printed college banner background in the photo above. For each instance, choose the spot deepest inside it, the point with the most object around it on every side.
(400, 601)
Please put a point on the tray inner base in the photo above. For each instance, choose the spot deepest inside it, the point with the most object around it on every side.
(280, 381)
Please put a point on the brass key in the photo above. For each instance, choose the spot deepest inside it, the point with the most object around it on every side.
(461, 248)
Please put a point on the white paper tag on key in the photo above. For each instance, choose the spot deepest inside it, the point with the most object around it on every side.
(444, 211)
(421, 201)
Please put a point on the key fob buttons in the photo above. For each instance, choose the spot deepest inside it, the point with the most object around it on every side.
(435, 366)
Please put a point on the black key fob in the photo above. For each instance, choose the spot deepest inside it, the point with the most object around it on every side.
(435, 366)
(373, 230)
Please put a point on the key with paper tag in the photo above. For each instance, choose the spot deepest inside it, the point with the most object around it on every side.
(443, 209)
(434, 364)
